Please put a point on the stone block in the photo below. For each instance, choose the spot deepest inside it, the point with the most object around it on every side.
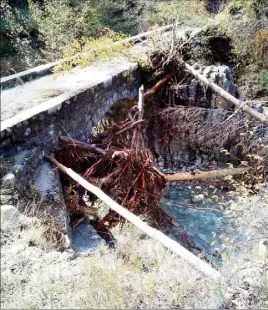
(48, 187)
(85, 239)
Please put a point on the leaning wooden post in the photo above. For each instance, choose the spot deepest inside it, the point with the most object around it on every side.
(148, 230)
(239, 104)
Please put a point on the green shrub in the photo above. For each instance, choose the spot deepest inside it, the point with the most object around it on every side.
(120, 15)
(264, 79)
(191, 13)
(242, 20)
(60, 22)
(19, 42)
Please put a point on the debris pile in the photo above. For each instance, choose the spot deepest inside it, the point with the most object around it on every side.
(116, 161)
(119, 155)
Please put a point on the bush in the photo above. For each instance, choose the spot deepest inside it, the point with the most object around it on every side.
(60, 22)
(245, 19)
(191, 13)
(120, 15)
(18, 36)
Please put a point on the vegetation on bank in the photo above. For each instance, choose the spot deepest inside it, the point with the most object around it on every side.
(139, 273)
(34, 32)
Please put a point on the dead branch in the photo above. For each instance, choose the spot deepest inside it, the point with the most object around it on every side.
(157, 86)
(129, 127)
(137, 138)
(239, 104)
(188, 176)
(82, 145)
(151, 232)
(141, 102)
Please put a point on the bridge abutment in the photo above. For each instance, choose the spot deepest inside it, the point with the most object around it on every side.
(27, 136)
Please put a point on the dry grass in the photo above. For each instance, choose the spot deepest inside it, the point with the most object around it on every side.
(140, 273)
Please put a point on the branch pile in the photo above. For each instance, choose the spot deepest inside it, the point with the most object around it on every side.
(211, 129)
(113, 162)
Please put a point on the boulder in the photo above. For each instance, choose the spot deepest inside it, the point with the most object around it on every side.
(85, 239)
(198, 198)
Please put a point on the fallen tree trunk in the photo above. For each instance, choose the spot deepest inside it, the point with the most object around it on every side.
(188, 176)
(151, 232)
(239, 104)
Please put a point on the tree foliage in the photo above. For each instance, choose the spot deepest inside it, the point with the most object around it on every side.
(37, 31)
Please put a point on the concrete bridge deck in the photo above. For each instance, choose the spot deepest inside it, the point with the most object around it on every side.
(25, 100)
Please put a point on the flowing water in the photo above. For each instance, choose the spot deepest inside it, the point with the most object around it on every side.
(200, 210)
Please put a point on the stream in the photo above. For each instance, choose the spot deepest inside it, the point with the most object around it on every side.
(200, 210)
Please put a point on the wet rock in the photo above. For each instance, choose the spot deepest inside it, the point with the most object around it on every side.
(167, 170)
(198, 198)
(161, 165)
(85, 239)
(8, 181)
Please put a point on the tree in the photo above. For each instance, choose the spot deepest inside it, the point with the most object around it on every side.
(120, 15)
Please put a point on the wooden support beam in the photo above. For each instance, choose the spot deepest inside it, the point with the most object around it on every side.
(189, 257)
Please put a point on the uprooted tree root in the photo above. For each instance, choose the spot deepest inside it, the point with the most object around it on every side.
(124, 172)
(114, 162)
(216, 131)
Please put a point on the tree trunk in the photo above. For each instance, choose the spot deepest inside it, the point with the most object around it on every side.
(201, 175)
(239, 104)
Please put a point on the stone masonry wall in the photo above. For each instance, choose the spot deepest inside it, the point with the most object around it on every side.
(24, 144)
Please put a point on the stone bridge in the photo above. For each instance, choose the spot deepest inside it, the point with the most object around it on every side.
(37, 107)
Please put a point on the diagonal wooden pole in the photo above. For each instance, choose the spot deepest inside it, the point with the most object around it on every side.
(148, 230)
(239, 104)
